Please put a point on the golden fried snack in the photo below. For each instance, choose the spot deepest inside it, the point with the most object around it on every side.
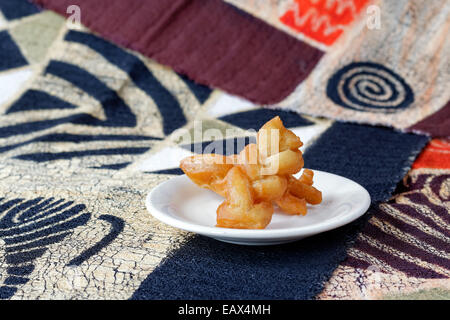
(273, 138)
(269, 188)
(278, 149)
(248, 160)
(291, 204)
(284, 163)
(300, 190)
(256, 178)
(240, 210)
(307, 177)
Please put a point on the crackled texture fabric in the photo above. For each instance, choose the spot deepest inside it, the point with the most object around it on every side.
(403, 251)
(88, 128)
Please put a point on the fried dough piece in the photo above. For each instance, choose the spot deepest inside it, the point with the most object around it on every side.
(273, 133)
(239, 210)
(249, 162)
(269, 188)
(278, 149)
(291, 204)
(207, 171)
(257, 177)
(284, 163)
(307, 177)
(307, 192)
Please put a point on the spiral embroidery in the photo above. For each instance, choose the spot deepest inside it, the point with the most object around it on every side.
(368, 86)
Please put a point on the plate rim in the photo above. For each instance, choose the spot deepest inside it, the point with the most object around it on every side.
(256, 234)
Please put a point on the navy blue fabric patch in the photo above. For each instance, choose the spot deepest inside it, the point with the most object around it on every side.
(7, 292)
(204, 268)
(171, 112)
(33, 126)
(368, 86)
(21, 270)
(375, 157)
(117, 112)
(225, 147)
(15, 9)
(174, 171)
(13, 280)
(49, 156)
(10, 55)
(78, 138)
(38, 100)
(114, 166)
(255, 119)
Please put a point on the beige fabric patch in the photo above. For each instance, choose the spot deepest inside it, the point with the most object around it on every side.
(36, 34)
(118, 268)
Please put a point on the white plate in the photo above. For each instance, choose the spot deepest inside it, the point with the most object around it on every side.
(182, 204)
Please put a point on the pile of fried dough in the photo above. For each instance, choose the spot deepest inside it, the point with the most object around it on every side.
(260, 176)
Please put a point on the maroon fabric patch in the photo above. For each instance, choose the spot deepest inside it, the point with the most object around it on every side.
(211, 42)
(437, 125)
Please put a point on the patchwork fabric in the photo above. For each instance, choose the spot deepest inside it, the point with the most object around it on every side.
(88, 114)
(93, 127)
(385, 61)
(85, 97)
(375, 69)
(24, 41)
(209, 41)
(365, 81)
(404, 249)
